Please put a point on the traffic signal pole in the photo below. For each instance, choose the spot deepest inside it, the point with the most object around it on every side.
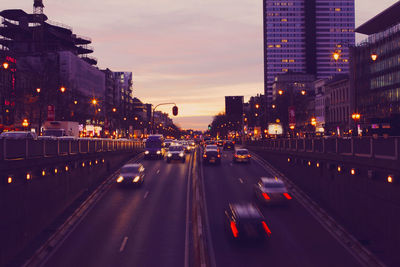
(175, 108)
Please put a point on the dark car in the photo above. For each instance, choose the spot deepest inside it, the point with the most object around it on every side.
(270, 190)
(18, 135)
(229, 145)
(212, 156)
(176, 152)
(241, 155)
(131, 174)
(246, 222)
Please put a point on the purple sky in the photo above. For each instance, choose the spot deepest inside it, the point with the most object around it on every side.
(192, 52)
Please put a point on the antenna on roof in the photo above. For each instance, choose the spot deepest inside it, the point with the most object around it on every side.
(38, 7)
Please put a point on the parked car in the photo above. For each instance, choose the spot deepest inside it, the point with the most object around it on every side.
(269, 190)
(18, 135)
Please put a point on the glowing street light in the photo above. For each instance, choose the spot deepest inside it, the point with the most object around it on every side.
(374, 56)
(303, 92)
(313, 121)
(336, 56)
(75, 102)
(355, 116)
(38, 90)
(257, 105)
(280, 92)
(94, 101)
(273, 106)
(62, 89)
(6, 65)
(25, 123)
(114, 110)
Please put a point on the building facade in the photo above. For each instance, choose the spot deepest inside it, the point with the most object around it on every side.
(320, 105)
(337, 101)
(303, 36)
(376, 74)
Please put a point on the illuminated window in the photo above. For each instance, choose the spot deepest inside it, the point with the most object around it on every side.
(283, 19)
(285, 70)
(278, 46)
(284, 60)
(270, 46)
(337, 9)
(284, 41)
(291, 60)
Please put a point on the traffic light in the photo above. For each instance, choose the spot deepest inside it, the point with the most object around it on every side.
(209, 127)
(175, 110)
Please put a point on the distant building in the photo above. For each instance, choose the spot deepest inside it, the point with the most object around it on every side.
(376, 76)
(337, 100)
(234, 110)
(292, 93)
(320, 105)
(303, 35)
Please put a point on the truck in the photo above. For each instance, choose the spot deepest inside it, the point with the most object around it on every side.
(154, 146)
(61, 128)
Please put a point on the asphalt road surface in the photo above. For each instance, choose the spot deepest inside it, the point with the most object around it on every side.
(133, 226)
(297, 239)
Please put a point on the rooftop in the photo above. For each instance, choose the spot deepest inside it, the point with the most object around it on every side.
(382, 21)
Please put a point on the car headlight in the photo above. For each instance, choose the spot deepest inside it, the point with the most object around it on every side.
(120, 179)
(147, 152)
(158, 152)
(169, 155)
(136, 179)
(181, 154)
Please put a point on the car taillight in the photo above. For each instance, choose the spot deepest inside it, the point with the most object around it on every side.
(234, 229)
(265, 226)
(287, 195)
(249, 156)
(219, 155)
(204, 156)
(265, 195)
(236, 156)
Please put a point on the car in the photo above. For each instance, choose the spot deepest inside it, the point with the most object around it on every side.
(212, 147)
(271, 190)
(212, 156)
(241, 155)
(229, 145)
(186, 146)
(176, 152)
(131, 174)
(245, 222)
(18, 135)
(154, 147)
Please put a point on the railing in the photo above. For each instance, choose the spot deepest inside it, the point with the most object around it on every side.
(29, 149)
(367, 147)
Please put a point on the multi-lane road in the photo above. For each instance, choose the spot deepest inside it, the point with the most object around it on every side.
(152, 226)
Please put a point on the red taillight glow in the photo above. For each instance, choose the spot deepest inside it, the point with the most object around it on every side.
(219, 156)
(204, 156)
(287, 195)
(236, 156)
(235, 231)
(249, 156)
(266, 228)
(265, 195)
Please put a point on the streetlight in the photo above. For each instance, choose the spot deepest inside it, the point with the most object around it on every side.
(280, 92)
(355, 116)
(273, 106)
(257, 106)
(25, 123)
(6, 65)
(336, 56)
(75, 102)
(374, 56)
(94, 101)
(38, 90)
(313, 121)
(114, 110)
(62, 89)
(303, 92)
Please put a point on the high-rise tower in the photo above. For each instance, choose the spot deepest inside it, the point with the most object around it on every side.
(303, 36)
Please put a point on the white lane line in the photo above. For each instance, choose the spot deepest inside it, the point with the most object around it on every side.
(146, 194)
(123, 244)
(189, 177)
(241, 180)
(158, 171)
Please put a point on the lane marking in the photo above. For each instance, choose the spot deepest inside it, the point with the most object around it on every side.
(241, 180)
(123, 244)
(146, 194)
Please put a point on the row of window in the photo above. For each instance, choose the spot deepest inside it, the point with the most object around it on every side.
(385, 80)
(385, 64)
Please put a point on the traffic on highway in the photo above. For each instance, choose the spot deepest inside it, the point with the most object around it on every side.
(197, 203)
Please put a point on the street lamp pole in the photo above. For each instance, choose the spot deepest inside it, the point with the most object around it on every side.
(152, 114)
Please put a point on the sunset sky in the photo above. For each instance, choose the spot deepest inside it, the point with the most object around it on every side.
(192, 52)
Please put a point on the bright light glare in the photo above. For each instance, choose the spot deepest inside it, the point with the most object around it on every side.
(120, 179)
(136, 179)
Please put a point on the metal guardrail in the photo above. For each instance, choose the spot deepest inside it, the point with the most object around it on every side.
(28, 149)
(367, 147)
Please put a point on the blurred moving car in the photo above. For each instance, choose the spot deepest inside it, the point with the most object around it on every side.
(212, 147)
(176, 152)
(241, 155)
(186, 146)
(246, 222)
(131, 174)
(270, 190)
(212, 156)
(18, 135)
(229, 145)
(154, 146)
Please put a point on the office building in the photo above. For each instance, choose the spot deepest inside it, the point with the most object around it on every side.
(304, 35)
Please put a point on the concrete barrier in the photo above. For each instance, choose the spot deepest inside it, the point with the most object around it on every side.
(27, 207)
